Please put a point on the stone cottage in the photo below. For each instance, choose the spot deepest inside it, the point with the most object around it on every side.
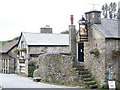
(31, 45)
(103, 39)
(8, 57)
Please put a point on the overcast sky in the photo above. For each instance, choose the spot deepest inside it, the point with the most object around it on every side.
(18, 16)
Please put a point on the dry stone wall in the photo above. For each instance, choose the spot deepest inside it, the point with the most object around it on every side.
(56, 68)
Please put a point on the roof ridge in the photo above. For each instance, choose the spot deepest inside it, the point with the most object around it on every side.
(45, 33)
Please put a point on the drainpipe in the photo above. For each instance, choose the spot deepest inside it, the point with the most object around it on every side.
(72, 40)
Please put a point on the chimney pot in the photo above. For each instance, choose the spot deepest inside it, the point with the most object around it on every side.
(71, 18)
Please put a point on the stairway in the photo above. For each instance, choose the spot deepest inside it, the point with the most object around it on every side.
(86, 77)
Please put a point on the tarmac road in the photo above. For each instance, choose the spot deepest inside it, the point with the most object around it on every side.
(16, 81)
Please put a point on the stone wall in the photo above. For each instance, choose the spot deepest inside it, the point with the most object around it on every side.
(96, 65)
(114, 63)
(57, 68)
(99, 66)
(46, 50)
(49, 49)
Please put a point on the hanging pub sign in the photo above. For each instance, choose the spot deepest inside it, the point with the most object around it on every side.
(83, 30)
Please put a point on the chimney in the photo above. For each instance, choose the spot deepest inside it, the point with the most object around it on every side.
(72, 39)
(71, 19)
(93, 16)
(46, 29)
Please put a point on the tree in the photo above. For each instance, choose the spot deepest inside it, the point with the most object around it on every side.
(105, 10)
(112, 10)
(16, 38)
(118, 16)
(65, 32)
(109, 10)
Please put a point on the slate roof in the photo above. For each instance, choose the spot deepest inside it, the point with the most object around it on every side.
(45, 39)
(109, 28)
(8, 46)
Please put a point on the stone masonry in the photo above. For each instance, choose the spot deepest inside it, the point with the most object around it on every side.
(56, 68)
(99, 66)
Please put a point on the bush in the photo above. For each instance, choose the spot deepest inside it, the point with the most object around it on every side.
(95, 51)
(31, 69)
(116, 54)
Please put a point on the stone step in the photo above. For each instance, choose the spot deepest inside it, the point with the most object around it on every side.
(90, 82)
(81, 69)
(81, 66)
(85, 76)
(83, 72)
(88, 79)
(93, 86)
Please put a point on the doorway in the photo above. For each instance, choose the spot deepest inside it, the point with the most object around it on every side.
(81, 52)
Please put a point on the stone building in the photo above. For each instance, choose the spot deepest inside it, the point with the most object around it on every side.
(103, 39)
(8, 57)
(31, 45)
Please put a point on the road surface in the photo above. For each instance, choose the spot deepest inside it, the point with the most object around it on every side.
(16, 81)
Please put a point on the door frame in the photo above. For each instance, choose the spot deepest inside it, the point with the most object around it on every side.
(80, 52)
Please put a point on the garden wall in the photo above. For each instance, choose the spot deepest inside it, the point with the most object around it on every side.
(57, 68)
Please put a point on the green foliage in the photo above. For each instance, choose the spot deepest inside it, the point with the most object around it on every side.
(111, 9)
(104, 87)
(16, 38)
(118, 13)
(4, 42)
(105, 9)
(116, 54)
(64, 83)
(65, 32)
(95, 51)
(31, 69)
(23, 50)
(17, 52)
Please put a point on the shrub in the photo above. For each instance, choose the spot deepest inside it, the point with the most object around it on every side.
(17, 51)
(31, 69)
(23, 50)
(116, 54)
(95, 51)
